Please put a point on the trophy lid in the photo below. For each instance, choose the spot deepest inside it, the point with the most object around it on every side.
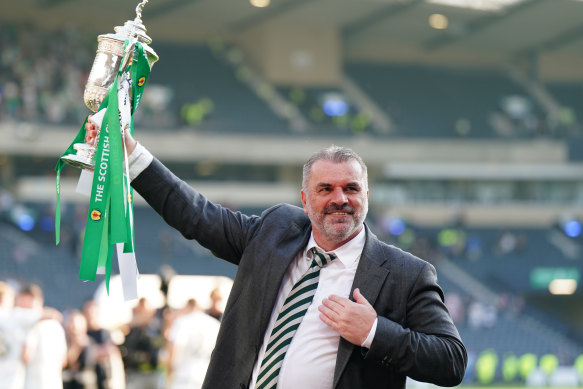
(134, 28)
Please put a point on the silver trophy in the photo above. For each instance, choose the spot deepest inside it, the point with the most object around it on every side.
(110, 55)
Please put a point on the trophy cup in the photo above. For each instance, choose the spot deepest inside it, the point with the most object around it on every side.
(110, 56)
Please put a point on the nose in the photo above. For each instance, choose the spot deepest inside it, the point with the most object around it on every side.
(339, 197)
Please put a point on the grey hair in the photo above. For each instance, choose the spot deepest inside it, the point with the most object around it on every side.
(336, 154)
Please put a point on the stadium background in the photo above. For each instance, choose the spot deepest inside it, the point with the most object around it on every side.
(469, 119)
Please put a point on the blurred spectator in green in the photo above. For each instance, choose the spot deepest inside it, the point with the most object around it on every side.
(486, 367)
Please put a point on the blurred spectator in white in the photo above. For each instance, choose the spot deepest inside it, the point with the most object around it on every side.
(191, 341)
(45, 352)
(6, 299)
(456, 307)
(109, 368)
(509, 243)
(81, 354)
(14, 326)
(506, 243)
(482, 315)
(6, 304)
(6, 201)
(11, 100)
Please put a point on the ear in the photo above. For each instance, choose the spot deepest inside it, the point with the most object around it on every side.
(304, 201)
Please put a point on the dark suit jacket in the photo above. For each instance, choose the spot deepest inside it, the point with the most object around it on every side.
(415, 335)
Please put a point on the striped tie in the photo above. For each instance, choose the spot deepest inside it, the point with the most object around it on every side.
(289, 319)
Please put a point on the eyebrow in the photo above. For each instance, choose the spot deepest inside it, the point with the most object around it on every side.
(350, 184)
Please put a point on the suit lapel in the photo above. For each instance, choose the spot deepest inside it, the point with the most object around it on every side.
(369, 278)
(284, 253)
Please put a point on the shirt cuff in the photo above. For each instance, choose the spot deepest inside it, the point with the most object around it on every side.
(139, 160)
(368, 341)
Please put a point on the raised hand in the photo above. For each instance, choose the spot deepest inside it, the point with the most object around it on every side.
(91, 131)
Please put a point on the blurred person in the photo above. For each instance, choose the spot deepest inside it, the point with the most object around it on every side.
(142, 314)
(45, 353)
(140, 348)
(6, 298)
(81, 354)
(482, 315)
(216, 308)
(506, 244)
(377, 315)
(7, 336)
(14, 327)
(191, 341)
(456, 307)
(109, 369)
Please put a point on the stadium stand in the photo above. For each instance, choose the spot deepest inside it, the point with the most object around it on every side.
(431, 102)
(212, 79)
(424, 102)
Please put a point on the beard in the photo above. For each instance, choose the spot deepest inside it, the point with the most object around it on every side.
(338, 230)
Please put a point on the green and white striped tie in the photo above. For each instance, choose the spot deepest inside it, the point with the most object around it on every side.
(292, 312)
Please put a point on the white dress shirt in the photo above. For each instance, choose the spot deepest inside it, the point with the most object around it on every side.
(311, 357)
(139, 160)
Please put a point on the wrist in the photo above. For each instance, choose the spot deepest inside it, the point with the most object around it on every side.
(131, 144)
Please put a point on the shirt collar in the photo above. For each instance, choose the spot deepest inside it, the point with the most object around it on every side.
(348, 253)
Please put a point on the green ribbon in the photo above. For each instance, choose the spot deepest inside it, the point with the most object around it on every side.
(60, 165)
(110, 212)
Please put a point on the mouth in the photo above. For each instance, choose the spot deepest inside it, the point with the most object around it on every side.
(339, 211)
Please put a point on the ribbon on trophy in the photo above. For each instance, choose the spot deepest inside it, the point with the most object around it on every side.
(110, 212)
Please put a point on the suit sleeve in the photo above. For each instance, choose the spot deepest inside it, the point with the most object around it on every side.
(426, 345)
(224, 232)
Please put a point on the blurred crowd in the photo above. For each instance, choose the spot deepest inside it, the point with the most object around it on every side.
(42, 75)
(43, 348)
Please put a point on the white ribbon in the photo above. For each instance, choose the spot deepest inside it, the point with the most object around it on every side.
(128, 268)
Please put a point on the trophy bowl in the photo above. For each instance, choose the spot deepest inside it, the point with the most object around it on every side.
(108, 59)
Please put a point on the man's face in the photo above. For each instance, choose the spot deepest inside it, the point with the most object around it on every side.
(336, 201)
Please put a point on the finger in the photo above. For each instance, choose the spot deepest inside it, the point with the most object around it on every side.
(90, 136)
(330, 314)
(339, 300)
(335, 305)
(327, 321)
(359, 298)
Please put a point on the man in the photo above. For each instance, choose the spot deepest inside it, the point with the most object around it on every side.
(108, 366)
(377, 315)
(15, 324)
(45, 355)
(191, 341)
(6, 298)
(216, 310)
